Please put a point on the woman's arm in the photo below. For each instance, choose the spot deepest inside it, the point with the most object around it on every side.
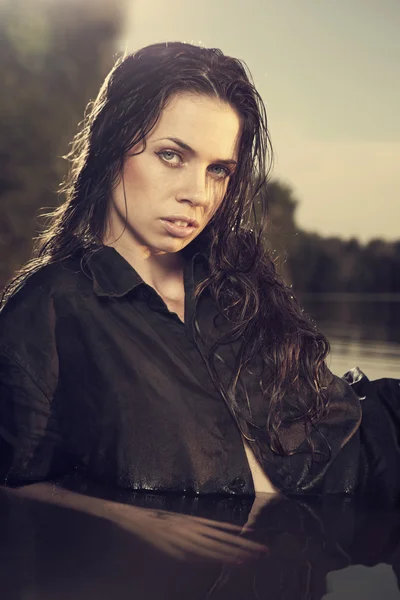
(178, 535)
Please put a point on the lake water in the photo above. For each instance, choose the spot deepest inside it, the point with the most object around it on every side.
(364, 332)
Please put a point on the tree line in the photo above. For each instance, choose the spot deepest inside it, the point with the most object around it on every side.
(315, 264)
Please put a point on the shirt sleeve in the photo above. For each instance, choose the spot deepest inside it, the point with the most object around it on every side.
(332, 464)
(31, 443)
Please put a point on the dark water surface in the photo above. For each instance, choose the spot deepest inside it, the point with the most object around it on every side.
(364, 331)
(163, 547)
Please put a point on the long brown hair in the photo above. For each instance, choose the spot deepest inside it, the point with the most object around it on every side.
(242, 279)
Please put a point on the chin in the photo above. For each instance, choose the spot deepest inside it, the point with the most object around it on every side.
(178, 243)
(168, 247)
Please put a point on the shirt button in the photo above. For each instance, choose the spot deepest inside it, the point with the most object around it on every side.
(237, 485)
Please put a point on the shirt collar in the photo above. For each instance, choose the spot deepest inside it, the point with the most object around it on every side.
(113, 276)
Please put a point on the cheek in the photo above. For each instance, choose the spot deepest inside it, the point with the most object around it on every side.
(139, 171)
(219, 198)
(213, 208)
(133, 176)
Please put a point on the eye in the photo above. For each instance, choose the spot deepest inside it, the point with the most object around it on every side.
(224, 171)
(166, 156)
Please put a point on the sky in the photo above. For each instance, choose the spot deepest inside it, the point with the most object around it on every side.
(328, 73)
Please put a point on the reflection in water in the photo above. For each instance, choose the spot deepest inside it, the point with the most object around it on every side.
(59, 544)
(314, 547)
(358, 581)
(66, 552)
(362, 332)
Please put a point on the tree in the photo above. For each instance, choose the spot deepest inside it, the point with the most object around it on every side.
(54, 57)
(281, 226)
(314, 264)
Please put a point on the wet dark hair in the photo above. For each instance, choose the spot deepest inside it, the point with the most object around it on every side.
(263, 315)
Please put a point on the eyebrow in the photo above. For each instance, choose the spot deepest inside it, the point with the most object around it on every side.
(188, 148)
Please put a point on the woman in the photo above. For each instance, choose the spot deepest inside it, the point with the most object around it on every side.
(150, 343)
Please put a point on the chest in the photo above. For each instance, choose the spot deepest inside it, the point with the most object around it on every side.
(147, 398)
(176, 306)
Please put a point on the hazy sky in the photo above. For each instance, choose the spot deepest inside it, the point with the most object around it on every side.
(329, 74)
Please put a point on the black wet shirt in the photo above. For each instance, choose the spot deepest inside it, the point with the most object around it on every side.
(97, 375)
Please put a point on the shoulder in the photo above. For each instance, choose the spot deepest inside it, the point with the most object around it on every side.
(31, 320)
(33, 307)
(52, 279)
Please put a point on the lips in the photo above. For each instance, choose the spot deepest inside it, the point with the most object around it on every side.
(179, 223)
(179, 219)
(177, 230)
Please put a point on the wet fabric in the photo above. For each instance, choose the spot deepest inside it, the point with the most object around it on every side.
(97, 374)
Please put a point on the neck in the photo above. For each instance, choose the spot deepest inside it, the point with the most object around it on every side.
(163, 272)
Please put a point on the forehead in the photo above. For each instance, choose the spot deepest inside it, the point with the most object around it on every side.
(208, 125)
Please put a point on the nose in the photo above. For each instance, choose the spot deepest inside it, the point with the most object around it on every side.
(197, 188)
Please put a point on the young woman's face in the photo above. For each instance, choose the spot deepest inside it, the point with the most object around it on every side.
(187, 175)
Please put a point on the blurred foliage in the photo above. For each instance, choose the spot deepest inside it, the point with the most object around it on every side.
(314, 264)
(54, 57)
